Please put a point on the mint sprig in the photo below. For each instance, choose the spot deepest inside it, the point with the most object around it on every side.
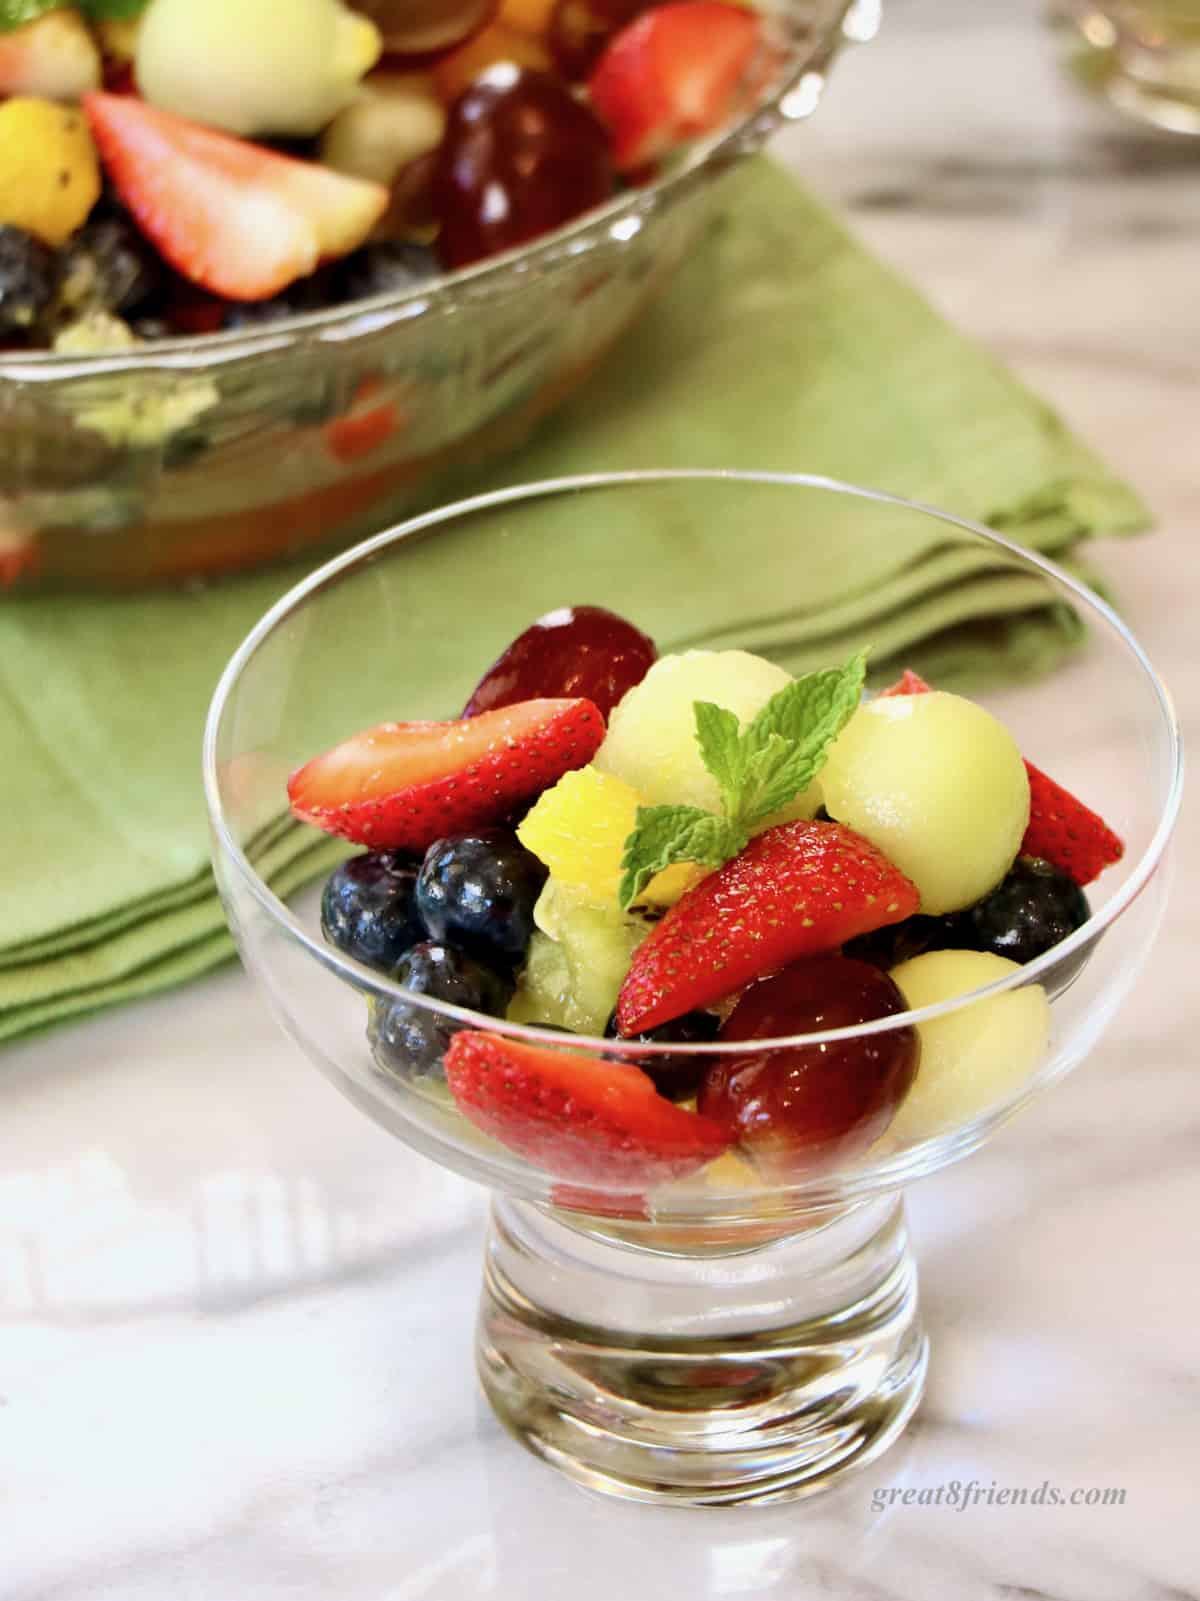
(663, 835)
(759, 770)
(16, 13)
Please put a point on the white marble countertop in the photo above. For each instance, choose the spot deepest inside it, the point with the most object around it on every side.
(235, 1341)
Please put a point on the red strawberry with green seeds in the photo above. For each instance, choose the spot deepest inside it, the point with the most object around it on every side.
(236, 218)
(909, 683)
(1062, 830)
(797, 890)
(674, 73)
(1065, 832)
(403, 785)
(584, 1118)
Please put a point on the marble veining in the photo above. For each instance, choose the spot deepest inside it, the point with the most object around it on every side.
(235, 1318)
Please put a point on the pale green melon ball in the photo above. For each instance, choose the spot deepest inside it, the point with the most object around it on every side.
(651, 739)
(938, 784)
(577, 961)
(974, 1057)
(254, 67)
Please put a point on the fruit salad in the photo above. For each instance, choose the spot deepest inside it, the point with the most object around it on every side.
(178, 167)
(695, 850)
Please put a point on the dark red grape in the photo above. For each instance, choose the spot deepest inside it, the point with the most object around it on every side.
(806, 1109)
(580, 29)
(520, 157)
(424, 27)
(574, 651)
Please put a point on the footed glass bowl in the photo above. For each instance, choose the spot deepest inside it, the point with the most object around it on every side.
(731, 1336)
(206, 455)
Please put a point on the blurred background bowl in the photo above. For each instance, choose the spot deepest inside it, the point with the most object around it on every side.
(212, 454)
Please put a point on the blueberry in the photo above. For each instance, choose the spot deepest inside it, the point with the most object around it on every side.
(27, 279)
(386, 267)
(478, 891)
(676, 1077)
(409, 1040)
(369, 908)
(317, 292)
(888, 947)
(1032, 910)
(107, 266)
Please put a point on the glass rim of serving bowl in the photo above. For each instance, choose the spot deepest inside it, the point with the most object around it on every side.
(790, 96)
(365, 978)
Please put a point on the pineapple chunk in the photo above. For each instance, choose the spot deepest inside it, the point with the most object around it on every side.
(579, 828)
(49, 173)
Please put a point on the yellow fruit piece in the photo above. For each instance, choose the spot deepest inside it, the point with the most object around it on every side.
(49, 175)
(579, 828)
(972, 1058)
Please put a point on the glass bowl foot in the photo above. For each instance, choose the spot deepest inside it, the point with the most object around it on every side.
(752, 1376)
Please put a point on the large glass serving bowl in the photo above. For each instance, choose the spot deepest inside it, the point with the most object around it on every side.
(720, 1338)
(205, 455)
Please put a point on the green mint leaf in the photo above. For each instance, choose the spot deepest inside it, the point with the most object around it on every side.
(663, 835)
(103, 10)
(719, 736)
(16, 13)
(785, 746)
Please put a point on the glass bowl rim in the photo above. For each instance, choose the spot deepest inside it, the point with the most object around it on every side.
(375, 313)
(365, 978)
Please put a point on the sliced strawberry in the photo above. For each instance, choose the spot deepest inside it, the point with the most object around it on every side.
(909, 683)
(1062, 830)
(370, 422)
(20, 555)
(796, 890)
(1065, 832)
(673, 74)
(238, 219)
(407, 784)
(580, 1117)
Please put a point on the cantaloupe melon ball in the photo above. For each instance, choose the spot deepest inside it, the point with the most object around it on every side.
(938, 784)
(974, 1057)
(651, 739)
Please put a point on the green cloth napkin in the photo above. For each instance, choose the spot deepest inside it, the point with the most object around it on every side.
(781, 345)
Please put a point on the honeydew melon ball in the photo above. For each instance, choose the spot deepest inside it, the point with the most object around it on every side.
(577, 961)
(651, 739)
(254, 67)
(938, 784)
(974, 1057)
